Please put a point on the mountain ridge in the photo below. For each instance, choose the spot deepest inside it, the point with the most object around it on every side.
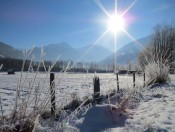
(88, 53)
(63, 49)
(7, 51)
(128, 52)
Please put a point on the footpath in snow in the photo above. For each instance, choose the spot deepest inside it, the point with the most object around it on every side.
(155, 112)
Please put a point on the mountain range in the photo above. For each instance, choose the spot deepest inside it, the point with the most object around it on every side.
(66, 52)
(90, 53)
(7, 51)
(63, 50)
(129, 52)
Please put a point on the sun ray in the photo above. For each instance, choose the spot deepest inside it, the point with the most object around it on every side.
(115, 61)
(104, 34)
(115, 23)
(100, 5)
(132, 4)
(136, 42)
(115, 10)
(98, 39)
(132, 38)
(115, 40)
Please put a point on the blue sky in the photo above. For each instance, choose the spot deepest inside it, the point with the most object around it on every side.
(24, 23)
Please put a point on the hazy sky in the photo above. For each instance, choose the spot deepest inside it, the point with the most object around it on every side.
(77, 22)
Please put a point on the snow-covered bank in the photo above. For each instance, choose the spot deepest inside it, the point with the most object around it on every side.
(155, 112)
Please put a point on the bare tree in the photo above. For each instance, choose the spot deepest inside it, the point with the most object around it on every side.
(161, 47)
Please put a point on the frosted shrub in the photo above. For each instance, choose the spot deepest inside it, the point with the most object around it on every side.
(157, 72)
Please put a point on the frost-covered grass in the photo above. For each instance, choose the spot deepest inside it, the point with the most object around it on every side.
(157, 72)
(82, 84)
(155, 111)
(134, 109)
(34, 93)
(26, 100)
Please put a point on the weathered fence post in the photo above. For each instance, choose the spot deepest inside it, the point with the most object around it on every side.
(52, 91)
(134, 79)
(144, 79)
(96, 81)
(117, 82)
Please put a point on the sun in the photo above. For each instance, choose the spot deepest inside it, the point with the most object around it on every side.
(115, 23)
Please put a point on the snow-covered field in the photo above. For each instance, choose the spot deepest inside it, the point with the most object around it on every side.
(155, 112)
(81, 84)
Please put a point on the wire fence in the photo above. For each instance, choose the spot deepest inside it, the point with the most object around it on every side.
(68, 86)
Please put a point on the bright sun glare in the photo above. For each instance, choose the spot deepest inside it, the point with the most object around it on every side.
(115, 23)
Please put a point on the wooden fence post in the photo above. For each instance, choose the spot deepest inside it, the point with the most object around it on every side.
(96, 82)
(144, 79)
(117, 82)
(52, 91)
(134, 79)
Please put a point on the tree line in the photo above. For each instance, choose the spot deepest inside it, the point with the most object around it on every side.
(16, 65)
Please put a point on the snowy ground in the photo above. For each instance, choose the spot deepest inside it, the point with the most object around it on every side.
(81, 84)
(155, 112)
